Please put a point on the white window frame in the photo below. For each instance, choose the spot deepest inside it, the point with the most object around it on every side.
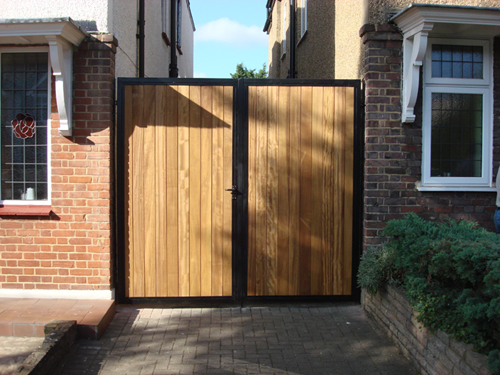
(179, 23)
(165, 17)
(47, 202)
(283, 44)
(303, 17)
(482, 86)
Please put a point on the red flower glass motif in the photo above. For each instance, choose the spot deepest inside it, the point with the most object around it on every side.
(23, 126)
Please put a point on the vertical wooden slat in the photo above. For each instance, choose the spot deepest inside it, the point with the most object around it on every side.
(283, 173)
(194, 192)
(305, 191)
(272, 192)
(328, 191)
(252, 161)
(338, 202)
(138, 190)
(317, 191)
(184, 187)
(348, 189)
(206, 191)
(261, 191)
(161, 191)
(218, 189)
(172, 192)
(228, 181)
(295, 158)
(149, 195)
(129, 152)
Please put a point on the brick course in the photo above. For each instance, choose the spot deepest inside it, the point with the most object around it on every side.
(393, 150)
(71, 248)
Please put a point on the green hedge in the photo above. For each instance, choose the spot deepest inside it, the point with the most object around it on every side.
(451, 274)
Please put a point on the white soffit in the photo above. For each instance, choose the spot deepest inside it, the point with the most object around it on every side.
(60, 34)
(418, 22)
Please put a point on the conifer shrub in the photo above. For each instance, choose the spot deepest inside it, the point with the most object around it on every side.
(451, 274)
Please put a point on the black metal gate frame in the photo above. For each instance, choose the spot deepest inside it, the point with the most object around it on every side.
(240, 205)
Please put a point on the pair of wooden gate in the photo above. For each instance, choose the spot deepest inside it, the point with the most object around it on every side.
(236, 189)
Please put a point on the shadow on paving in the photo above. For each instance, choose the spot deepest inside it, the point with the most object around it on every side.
(330, 339)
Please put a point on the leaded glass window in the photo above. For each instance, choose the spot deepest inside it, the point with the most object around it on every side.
(457, 135)
(457, 115)
(24, 109)
(456, 61)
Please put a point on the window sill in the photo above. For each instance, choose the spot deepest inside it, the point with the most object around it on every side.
(479, 189)
(302, 38)
(165, 39)
(25, 210)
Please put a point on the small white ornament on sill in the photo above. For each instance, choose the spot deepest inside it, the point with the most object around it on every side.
(30, 194)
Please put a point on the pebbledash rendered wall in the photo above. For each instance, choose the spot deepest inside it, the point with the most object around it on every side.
(393, 150)
(68, 253)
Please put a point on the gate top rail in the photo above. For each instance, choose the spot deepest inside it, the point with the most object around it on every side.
(356, 83)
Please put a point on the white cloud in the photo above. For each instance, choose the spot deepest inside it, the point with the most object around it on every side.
(200, 75)
(231, 32)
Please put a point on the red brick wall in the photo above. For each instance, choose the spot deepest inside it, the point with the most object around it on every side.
(71, 248)
(393, 151)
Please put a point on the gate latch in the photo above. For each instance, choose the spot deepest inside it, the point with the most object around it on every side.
(234, 191)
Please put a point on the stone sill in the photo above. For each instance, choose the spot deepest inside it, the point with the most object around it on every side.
(25, 210)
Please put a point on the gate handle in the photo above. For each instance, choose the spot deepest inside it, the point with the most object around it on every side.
(234, 191)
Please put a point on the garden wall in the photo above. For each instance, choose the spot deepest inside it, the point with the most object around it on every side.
(431, 353)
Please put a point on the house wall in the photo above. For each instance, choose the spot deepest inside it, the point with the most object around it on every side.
(332, 48)
(315, 52)
(93, 15)
(349, 17)
(185, 61)
(393, 151)
(117, 17)
(277, 67)
(70, 250)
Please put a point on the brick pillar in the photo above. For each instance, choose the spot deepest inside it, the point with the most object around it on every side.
(385, 143)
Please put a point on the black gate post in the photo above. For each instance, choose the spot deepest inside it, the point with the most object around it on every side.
(240, 183)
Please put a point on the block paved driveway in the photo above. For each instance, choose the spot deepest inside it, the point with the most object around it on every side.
(331, 339)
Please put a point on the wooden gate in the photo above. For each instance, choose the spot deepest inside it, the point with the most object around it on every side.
(300, 190)
(286, 151)
(178, 142)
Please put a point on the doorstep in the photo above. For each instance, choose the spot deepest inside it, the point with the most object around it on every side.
(28, 316)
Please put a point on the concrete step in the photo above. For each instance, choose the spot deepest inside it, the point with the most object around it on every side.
(28, 316)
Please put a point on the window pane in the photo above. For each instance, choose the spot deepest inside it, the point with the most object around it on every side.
(24, 124)
(453, 61)
(456, 145)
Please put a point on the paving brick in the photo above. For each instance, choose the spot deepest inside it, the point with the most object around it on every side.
(260, 340)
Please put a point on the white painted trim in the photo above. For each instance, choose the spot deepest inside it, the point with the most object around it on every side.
(46, 202)
(61, 58)
(487, 136)
(447, 188)
(61, 34)
(421, 22)
(57, 294)
(460, 86)
(414, 54)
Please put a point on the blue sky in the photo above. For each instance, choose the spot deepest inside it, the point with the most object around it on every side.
(228, 32)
